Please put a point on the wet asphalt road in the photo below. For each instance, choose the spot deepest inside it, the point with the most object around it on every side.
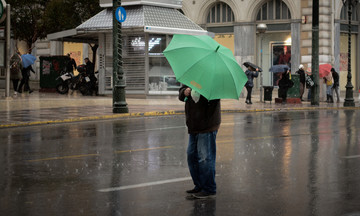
(271, 163)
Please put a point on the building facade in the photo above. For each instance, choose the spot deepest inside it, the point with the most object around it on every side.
(234, 24)
(288, 38)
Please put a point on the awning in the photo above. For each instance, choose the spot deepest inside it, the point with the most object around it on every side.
(151, 19)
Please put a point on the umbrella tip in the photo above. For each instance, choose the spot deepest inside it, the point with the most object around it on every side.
(217, 48)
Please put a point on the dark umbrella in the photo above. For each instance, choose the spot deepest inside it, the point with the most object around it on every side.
(279, 68)
(249, 64)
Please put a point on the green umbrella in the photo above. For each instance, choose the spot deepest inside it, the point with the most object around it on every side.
(206, 66)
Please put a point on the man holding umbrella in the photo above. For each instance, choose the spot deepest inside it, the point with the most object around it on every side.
(251, 73)
(203, 120)
(209, 72)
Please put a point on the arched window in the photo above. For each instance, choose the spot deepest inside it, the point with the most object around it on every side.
(344, 13)
(274, 10)
(220, 13)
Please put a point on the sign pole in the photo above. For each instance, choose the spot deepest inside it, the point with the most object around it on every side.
(119, 103)
(7, 55)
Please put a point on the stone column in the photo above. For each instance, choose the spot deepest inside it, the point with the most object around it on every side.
(244, 42)
(337, 46)
(295, 45)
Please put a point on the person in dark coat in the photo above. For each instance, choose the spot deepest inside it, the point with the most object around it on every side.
(335, 87)
(15, 70)
(301, 72)
(203, 120)
(25, 79)
(250, 73)
(71, 65)
(89, 67)
(90, 71)
(284, 84)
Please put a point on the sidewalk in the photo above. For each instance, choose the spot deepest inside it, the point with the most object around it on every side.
(48, 108)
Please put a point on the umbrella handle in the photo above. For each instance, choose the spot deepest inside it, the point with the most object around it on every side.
(186, 98)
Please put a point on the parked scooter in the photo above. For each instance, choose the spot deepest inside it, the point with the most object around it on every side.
(80, 82)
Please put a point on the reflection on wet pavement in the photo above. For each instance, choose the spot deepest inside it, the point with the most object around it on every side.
(276, 163)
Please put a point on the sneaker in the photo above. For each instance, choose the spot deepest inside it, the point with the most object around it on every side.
(30, 91)
(192, 191)
(15, 92)
(204, 195)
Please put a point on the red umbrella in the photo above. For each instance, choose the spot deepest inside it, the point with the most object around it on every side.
(324, 70)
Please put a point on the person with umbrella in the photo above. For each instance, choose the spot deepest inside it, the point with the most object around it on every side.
(27, 60)
(329, 81)
(203, 120)
(209, 72)
(336, 83)
(284, 84)
(251, 73)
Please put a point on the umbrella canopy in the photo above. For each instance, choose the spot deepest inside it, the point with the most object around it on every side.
(27, 60)
(206, 66)
(279, 68)
(324, 70)
(254, 66)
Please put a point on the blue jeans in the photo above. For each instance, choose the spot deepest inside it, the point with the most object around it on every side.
(201, 156)
(329, 89)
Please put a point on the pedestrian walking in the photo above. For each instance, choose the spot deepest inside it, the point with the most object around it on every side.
(284, 84)
(335, 87)
(329, 81)
(25, 79)
(71, 65)
(301, 72)
(251, 74)
(15, 70)
(203, 120)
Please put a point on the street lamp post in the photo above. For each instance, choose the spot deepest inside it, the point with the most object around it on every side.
(349, 99)
(261, 29)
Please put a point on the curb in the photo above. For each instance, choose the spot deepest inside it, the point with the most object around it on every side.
(162, 113)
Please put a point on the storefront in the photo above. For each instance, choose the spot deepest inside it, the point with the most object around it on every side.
(146, 33)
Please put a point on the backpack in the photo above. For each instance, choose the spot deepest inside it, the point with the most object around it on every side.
(14, 68)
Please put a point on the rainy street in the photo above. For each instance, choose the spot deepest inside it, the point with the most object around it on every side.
(268, 163)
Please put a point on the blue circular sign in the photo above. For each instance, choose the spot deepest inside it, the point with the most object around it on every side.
(120, 14)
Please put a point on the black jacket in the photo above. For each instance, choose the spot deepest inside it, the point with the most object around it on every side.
(336, 79)
(89, 68)
(250, 75)
(203, 116)
(71, 65)
(302, 75)
(285, 82)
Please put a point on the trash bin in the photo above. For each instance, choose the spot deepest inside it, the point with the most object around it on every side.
(268, 93)
(50, 69)
(294, 92)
